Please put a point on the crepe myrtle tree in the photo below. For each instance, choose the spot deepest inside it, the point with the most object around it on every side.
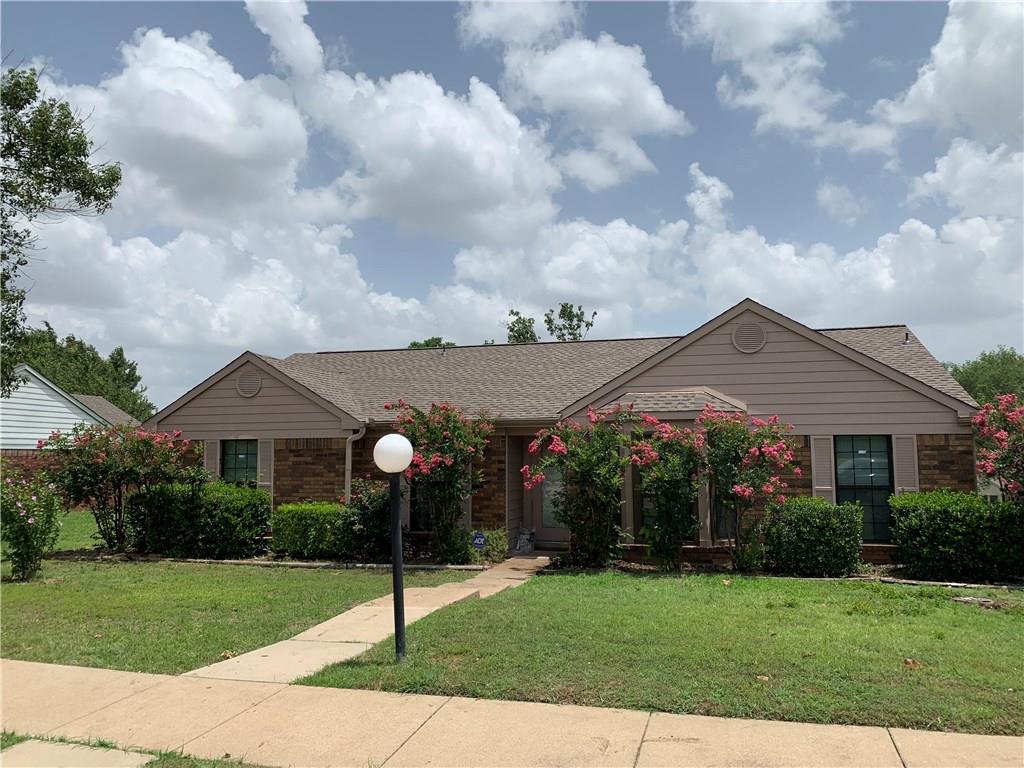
(743, 466)
(445, 444)
(1000, 429)
(591, 458)
(670, 463)
(100, 467)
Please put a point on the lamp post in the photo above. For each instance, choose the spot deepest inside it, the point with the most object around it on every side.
(392, 454)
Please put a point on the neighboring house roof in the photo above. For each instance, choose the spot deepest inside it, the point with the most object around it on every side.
(106, 409)
(899, 348)
(37, 408)
(675, 400)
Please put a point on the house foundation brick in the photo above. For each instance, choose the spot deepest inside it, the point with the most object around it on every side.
(309, 469)
(946, 461)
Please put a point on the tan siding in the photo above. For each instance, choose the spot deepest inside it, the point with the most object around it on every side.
(278, 411)
(815, 389)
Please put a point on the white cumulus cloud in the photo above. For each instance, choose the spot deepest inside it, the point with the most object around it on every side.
(840, 202)
(975, 182)
(778, 68)
(974, 77)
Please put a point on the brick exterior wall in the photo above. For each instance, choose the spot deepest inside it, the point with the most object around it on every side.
(488, 505)
(309, 469)
(25, 460)
(946, 461)
(800, 486)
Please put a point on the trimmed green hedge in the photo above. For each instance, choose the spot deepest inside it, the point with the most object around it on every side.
(495, 548)
(809, 536)
(309, 530)
(323, 530)
(215, 520)
(948, 535)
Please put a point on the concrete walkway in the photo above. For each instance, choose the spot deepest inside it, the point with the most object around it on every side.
(50, 754)
(354, 631)
(274, 724)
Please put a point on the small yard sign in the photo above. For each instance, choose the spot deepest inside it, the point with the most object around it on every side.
(479, 540)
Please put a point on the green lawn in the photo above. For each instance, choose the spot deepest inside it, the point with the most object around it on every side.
(173, 617)
(76, 531)
(781, 649)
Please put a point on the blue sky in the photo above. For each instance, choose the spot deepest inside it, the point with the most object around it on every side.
(325, 176)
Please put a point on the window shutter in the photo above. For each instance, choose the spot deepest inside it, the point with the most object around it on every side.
(904, 463)
(823, 474)
(211, 457)
(265, 459)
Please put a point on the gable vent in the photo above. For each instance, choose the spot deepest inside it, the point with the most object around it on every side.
(248, 383)
(748, 337)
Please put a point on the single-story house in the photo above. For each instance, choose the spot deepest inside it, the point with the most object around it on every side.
(38, 407)
(874, 412)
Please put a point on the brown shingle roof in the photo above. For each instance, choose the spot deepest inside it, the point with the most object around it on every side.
(899, 348)
(689, 399)
(509, 381)
(537, 381)
(106, 409)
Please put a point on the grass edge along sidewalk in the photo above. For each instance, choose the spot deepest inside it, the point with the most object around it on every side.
(781, 649)
(173, 617)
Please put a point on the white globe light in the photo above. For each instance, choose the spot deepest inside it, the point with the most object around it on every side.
(392, 453)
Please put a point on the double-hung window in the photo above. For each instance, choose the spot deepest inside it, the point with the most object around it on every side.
(239, 461)
(864, 474)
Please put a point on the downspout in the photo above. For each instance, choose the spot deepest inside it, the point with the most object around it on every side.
(348, 459)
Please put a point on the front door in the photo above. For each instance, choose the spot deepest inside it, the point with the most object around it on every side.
(541, 510)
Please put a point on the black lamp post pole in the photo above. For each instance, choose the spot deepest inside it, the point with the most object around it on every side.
(396, 565)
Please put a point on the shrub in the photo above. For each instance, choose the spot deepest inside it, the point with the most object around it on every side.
(809, 536)
(365, 532)
(591, 461)
(214, 520)
(950, 535)
(310, 530)
(31, 509)
(359, 530)
(669, 462)
(495, 548)
(445, 444)
(101, 467)
(743, 466)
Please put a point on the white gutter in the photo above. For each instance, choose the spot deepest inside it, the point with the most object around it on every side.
(348, 459)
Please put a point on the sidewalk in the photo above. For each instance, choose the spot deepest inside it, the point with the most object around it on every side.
(356, 630)
(274, 724)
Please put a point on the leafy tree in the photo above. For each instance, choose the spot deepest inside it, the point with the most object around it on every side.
(999, 426)
(76, 366)
(997, 372)
(590, 460)
(45, 152)
(669, 461)
(521, 328)
(100, 467)
(445, 444)
(431, 343)
(570, 324)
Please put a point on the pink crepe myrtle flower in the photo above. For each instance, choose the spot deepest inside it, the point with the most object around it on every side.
(557, 446)
(743, 490)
